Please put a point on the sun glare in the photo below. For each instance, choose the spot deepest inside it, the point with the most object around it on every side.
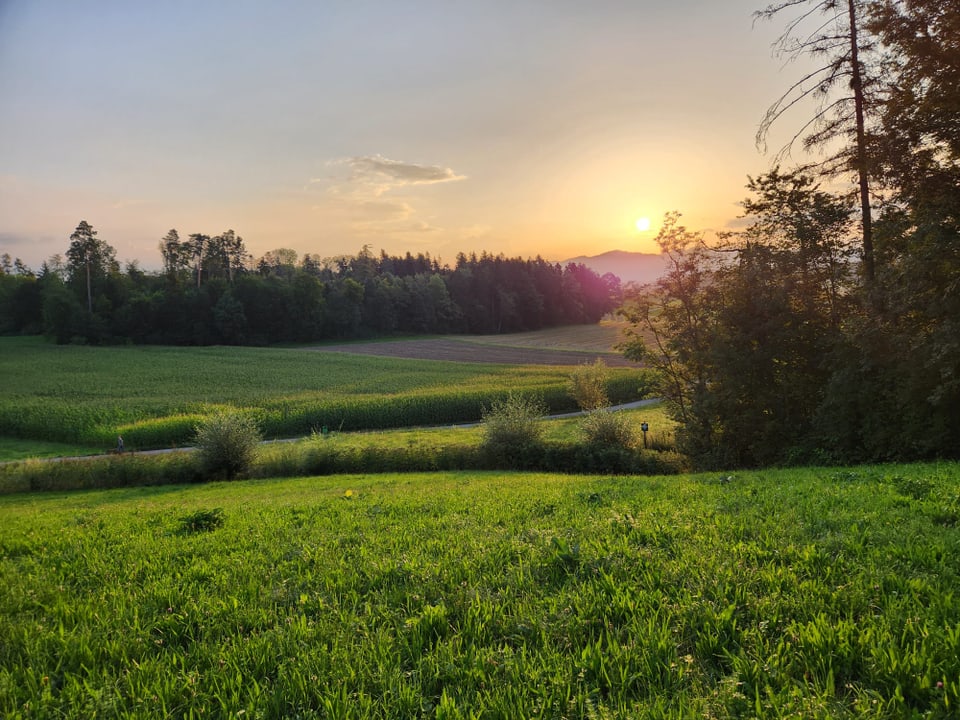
(643, 224)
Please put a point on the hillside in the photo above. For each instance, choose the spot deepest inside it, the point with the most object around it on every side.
(804, 593)
(629, 266)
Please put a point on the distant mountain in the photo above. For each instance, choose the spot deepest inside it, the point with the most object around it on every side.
(628, 266)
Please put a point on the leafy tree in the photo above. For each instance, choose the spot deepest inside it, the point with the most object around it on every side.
(227, 444)
(807, 229)
(447, 315)
(588, 385)
(312, 264)
(671, 327)
(281, 262)
(897, 391)
(919, 134)
(344, 300)
(63, 316)
(308, 309)
(743, 334)
(21, 302)
(229, 320)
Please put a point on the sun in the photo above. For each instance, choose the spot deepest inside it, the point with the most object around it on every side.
(643, 224)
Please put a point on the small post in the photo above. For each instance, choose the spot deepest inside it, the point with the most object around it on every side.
(644, 427)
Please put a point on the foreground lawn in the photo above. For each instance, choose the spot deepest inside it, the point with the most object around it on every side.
(804, 593)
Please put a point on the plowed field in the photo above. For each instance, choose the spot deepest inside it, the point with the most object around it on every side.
(464, 350)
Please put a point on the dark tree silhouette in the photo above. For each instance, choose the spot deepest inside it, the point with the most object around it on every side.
(89, 256)
(841, 86)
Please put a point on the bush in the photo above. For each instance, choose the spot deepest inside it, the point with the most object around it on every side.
(588, 386)
(608, 429)
(227, 444)
(512, 433)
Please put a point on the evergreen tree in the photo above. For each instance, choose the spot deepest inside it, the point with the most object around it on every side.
(843, 87)
(89, 258)
(176, 255)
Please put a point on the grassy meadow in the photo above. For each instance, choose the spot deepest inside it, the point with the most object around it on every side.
(155, 396)
(816, 593)
(564, 449)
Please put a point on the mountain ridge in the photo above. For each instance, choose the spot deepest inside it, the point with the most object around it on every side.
(629, 266)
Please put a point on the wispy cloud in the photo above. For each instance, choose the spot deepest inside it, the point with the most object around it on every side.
(375, 175)
(377, 168)
(370, 193)
(10, 240)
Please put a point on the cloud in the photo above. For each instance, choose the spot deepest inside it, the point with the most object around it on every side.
(360, 195)
(374, 175)
(13, 240)
(381, 210)
(397, 172)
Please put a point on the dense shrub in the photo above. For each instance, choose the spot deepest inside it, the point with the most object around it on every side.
(512, 433)
(608, 429)
(99, 473)
(588, 386)
(227, 444)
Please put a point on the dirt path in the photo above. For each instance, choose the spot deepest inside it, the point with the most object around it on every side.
(465, 350)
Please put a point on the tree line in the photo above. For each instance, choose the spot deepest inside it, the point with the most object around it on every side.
(829, 328)
(212, 291)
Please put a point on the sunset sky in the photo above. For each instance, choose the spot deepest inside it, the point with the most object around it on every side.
(528, 127)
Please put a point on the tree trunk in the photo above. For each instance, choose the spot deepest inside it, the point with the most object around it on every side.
(856, 82)
(89, 292)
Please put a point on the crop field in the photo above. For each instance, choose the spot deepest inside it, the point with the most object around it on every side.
(816, 593)
(155, 396)
(461, 349)
(572, 345)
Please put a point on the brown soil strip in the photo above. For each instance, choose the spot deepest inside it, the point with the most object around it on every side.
(466, 351)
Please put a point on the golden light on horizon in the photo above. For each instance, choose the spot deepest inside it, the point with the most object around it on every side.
(643, 224)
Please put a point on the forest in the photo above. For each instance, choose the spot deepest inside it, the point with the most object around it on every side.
(211, 291)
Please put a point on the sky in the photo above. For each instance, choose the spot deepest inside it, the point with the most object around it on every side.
(523, 127)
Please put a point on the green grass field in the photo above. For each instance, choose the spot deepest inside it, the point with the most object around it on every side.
(155, 396)
(564, 448)
(817, 593)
